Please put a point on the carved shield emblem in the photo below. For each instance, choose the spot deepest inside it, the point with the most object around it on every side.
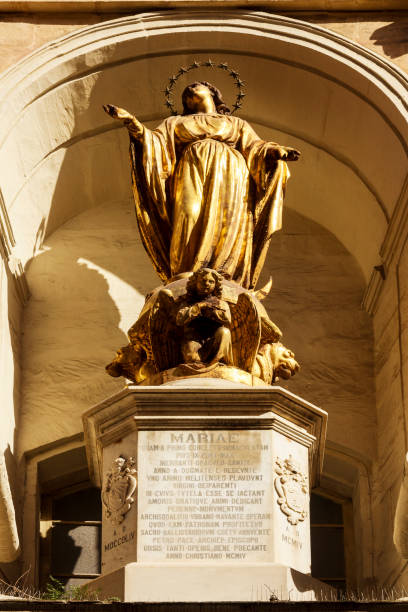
(120, 485)
(292, 489)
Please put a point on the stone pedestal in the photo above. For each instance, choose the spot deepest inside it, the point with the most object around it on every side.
(221, 507)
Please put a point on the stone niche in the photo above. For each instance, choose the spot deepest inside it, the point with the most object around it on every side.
(205, 492)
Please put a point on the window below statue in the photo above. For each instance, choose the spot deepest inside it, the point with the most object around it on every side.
(327, 541)
(70, 548)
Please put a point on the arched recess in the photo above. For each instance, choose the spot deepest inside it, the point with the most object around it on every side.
(342, 105)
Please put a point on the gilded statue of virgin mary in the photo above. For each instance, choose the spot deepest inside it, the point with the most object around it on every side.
(208, 191)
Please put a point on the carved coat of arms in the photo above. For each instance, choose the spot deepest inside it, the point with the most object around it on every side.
(120, 485)
(292, 489)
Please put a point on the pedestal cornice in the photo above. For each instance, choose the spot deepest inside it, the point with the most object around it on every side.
(150, 408)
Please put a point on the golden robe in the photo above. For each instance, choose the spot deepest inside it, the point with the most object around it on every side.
(205, 197)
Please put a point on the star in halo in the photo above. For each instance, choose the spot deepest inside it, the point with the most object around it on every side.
(173, 79)
(209, 63)
(195, 64)
(182, 70)
(223, 66)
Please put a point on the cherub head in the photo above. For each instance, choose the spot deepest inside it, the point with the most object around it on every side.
(203, 283)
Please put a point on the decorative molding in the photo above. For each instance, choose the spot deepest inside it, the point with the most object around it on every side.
(191, 423)
(124, 6)
(7, 244)
(119, 487)
(379, 71)
(291, 487)
(150, 408)
(360, 58)
(372, 292)
(60, 445)
(390, 249)
(397, 227)
(7, 240)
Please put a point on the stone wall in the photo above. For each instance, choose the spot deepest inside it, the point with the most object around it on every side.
(10, 386)
(390, 329)
(88, 286)
(89, 277)
(385, 33)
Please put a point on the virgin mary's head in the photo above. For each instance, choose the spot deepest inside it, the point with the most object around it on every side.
(198, 90)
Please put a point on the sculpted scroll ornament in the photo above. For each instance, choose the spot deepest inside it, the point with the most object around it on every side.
(120, 485)
(292, 489)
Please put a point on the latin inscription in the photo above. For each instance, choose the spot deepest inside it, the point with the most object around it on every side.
(205, 495)
(119, 540)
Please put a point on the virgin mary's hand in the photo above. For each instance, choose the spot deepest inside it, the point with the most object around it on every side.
(116, 112)
(286, 153)
(291, 154)
(133, 125)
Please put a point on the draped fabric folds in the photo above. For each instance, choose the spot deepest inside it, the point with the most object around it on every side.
(206, 196)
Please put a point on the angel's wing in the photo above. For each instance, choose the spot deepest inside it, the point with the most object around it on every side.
(266, 289)
(139, 335)
(270, 332)
(245, 331)
(164, 335)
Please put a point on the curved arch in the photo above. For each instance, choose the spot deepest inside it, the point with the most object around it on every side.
(313, 77)
(309, 86)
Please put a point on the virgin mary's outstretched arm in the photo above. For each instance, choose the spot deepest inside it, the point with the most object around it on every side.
(270, 174)
(152, 159)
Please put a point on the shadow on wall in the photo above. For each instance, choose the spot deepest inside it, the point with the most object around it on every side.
(89, 281)
(393, 38)
(10, 572)
(89, 275)
(87, 286)
(316, 302)
(10, 347)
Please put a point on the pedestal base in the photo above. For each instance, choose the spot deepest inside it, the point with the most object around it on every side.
(187, 583)
(206, 493)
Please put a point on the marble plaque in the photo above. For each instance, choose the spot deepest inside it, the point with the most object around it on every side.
(205, 495)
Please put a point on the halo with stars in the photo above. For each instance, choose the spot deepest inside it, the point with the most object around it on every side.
(206, 64)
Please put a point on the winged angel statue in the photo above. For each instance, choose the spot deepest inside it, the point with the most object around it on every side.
(208, 194)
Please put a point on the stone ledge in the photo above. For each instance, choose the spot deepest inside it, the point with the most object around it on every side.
(123, 6)
(110, 419)
(264, 606)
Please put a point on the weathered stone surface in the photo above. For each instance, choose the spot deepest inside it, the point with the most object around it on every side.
(385, 34)
(84, 298)
(119, 539)
(80, 291)
(221, 497)
(223, 485)
(52, 151)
